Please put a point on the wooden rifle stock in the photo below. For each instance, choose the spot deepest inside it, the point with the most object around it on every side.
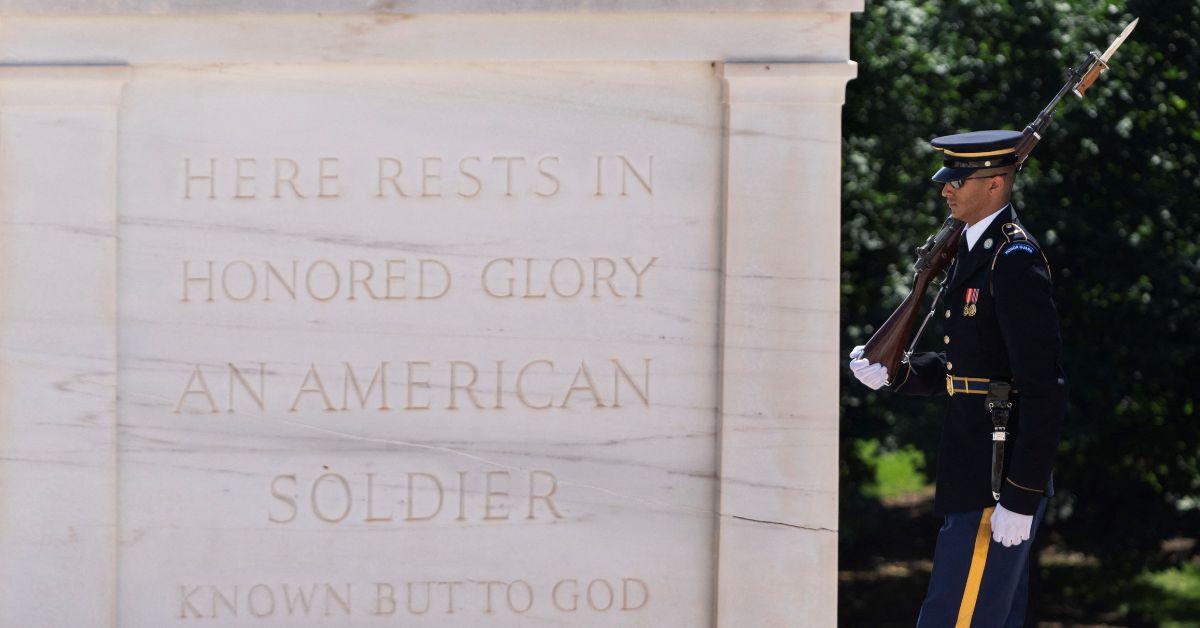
(890, 345)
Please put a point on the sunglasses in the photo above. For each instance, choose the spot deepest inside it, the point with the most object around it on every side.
(958, 183)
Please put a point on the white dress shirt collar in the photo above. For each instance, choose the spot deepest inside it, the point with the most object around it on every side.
(977, 229)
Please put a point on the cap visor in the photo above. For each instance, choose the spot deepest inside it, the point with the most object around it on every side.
(950, 174)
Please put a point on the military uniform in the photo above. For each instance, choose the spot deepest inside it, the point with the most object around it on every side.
(998, 322)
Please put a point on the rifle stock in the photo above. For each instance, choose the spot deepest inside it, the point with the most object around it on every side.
(889, 345)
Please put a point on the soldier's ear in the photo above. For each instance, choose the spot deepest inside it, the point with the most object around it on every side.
(997, 185)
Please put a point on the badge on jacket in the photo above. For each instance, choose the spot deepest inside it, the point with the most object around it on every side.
(971, 299)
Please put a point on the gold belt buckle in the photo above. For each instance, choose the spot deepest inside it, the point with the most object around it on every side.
(950, 385)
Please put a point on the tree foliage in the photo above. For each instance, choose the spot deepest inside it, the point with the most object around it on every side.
(1111, 193)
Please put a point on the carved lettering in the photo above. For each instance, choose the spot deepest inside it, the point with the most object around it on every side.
(425, 384)
(288, 499)
(333, 277)
(501, 512)
(332, 594)
(521, 385)
(299, 601)
(334, 498)
(626, 596)
(473, 176)
(647, 182)
(219, 598)
(564, 277)
(589, 386)
(293, 170)
(371, 518)
(574, 595)
(509, 176)
(428, 597)
(241, 178)
(630, 173)
(365, 282)
(261, 600)
(185, 602)
(523, 597)
(386, 163)
(422, 597)
(468, 387)
(415, 383)
(534, 497)
(258, 397)
(350, 381)
(343, 495)
(619, 373)
(272, 271)
(412, 482)
(548, 176)
(327, 176)
(324, 280)
(603, 598)
(388, 280)
(248, 277)
(188, 177)
(438, 268)
(415, 177)
(508, 171)
(188, 279)
(385, 593)
(197, 378)
(431, 172)
(315, 387)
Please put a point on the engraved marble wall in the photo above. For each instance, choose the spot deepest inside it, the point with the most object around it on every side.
(361, 317)
(470, 341)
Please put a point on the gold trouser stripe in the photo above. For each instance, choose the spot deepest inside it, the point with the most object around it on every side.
(983, 539)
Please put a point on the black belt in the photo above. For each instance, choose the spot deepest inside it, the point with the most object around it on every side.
(966, 385)
(969, 385)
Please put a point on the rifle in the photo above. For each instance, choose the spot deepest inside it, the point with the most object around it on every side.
(889, 345)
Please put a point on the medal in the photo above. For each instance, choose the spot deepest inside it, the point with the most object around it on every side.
(970, 300)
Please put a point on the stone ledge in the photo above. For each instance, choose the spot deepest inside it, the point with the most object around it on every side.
(276, 7)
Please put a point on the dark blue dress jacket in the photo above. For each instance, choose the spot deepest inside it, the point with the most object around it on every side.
(998, 322)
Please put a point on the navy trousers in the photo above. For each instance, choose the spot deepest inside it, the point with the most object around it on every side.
(977, 582)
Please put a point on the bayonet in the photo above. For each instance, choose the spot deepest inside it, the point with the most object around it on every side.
(1097, 63)
(1118, 41)
(1079, 79)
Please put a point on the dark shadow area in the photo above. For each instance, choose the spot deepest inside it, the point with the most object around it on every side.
(1112, 193)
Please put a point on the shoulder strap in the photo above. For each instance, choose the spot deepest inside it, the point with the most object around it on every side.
(1014, 234)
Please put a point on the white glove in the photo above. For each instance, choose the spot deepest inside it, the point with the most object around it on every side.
(1010, 528)
(874, 376)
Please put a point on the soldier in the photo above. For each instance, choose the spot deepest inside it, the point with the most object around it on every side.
(1000, 329)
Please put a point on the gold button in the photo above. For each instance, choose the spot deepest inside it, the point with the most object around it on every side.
(947, 313)
(946, 339)
(949, 366)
